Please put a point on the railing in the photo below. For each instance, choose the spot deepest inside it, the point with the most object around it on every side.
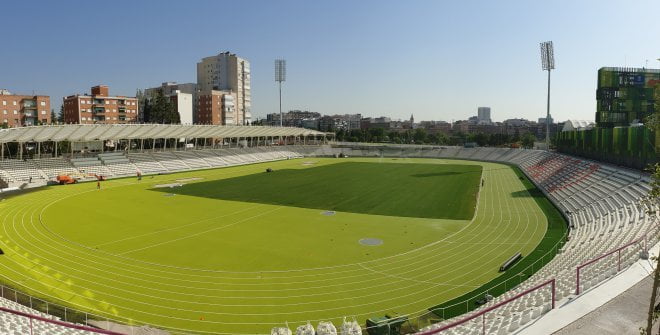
(483, 313)
(644, 241)
(68, 325)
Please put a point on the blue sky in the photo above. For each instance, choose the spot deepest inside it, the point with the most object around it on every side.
(438, 60)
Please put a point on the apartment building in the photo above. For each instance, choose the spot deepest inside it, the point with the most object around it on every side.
(100, 107)
(183, 96)
(217, 107)
(227, 72)
(23, 110)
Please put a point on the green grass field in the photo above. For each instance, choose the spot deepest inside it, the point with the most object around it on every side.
(238, 250)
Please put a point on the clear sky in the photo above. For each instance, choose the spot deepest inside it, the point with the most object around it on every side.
(438, 60)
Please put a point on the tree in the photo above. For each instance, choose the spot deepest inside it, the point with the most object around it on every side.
(420, 135)
(53, 116)
(159, 109)
(528, 140)
(60, 116)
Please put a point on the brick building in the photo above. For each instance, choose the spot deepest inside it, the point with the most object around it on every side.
(23, 110)
(217, 107)
(100, 107)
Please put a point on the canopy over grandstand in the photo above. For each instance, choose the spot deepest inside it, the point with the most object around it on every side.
(104, 132)
(84, 139)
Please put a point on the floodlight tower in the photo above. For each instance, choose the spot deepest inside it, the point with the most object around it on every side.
(548, 63)
(280, 76)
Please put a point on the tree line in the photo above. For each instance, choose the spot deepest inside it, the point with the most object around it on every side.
(421, 136)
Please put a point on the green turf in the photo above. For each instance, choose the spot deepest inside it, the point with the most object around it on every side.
(413, 190)
(227, 265)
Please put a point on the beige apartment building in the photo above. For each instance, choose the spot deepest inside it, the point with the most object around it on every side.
(228, 73)
(100, 107)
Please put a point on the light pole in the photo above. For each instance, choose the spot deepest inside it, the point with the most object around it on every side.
(548, 63)
(280, 76)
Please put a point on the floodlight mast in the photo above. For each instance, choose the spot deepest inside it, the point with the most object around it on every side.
(280, 76)
(548, 63)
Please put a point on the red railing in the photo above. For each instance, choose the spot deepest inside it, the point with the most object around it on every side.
(57, 322)
(609, 253)
(482, 313)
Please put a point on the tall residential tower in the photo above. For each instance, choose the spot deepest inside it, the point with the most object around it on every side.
(231, 74)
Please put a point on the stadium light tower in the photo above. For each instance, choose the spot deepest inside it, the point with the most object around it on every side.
(280, 76)
(548, 63)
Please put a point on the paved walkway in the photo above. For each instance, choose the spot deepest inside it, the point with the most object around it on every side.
(624, 314)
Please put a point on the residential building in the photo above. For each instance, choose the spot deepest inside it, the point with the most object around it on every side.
(293, 118)
(183, 96)
(434, 127)
(227, 72)
(542, 120)
(217, 107)
(23, 110)
(483, 115)
(100, 107)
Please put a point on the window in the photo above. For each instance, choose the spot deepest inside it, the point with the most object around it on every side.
(107, 102)
(114, 102)
(114, 118)
(15, 112)
(43, 103)
(4, 103)
(83, 118)
(14, 103)
(43, 112)
(4, 112)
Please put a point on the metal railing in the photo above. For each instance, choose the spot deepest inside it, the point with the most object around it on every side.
(483, 312)
(644, 241)
(34, 318)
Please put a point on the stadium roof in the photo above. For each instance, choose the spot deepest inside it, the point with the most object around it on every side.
(80, 132)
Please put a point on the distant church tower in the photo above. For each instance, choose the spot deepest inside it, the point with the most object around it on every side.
(412, 121)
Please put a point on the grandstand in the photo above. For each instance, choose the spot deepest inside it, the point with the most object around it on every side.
(610, 228)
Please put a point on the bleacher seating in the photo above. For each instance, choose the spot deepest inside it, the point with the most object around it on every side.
(11, 324)
(91, 166)
(20, 171)
(118, 163)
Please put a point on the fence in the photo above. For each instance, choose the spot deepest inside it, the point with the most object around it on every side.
(483, 313)
(605, 258)
(34, 319)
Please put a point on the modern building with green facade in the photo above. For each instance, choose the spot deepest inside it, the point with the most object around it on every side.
(626, 97)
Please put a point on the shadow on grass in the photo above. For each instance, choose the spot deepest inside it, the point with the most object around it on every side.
(409, 190)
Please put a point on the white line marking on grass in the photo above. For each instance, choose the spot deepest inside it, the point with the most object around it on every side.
(178, 227)
(413, 280)
(201, 232)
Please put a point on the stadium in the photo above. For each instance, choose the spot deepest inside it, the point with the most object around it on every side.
(156, 229)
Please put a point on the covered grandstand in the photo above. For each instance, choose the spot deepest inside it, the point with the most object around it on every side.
(610, 227)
